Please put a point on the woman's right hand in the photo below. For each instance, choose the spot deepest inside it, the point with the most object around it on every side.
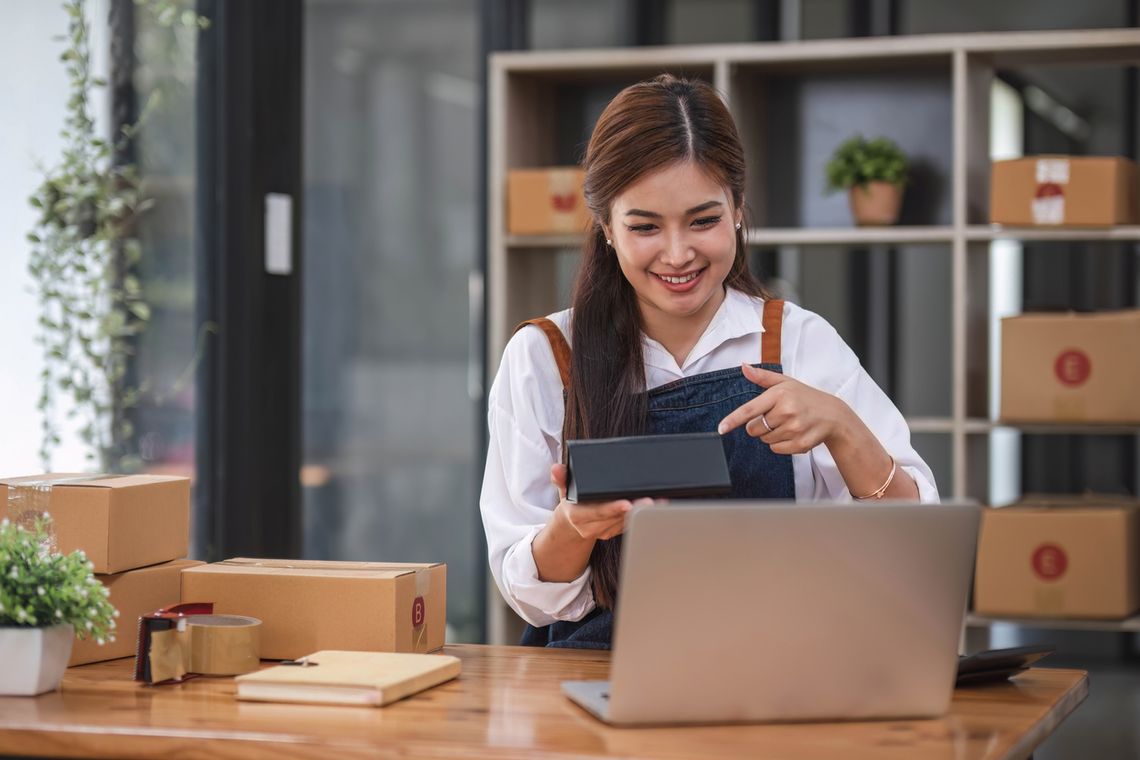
(595, 520)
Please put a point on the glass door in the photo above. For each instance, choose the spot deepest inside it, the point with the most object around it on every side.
(391, 240)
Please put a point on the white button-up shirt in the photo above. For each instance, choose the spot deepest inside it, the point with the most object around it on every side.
(525, 411)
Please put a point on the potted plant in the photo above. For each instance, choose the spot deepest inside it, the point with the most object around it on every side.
(874, 173)
(46, 598)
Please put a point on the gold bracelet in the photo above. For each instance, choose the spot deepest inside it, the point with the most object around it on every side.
(878, 492)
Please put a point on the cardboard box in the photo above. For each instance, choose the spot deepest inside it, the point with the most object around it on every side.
(121, 521)
(546, 201)
(1062, 557)
(305, 605)
(1065, 191)
(134, 593)
(1069, 367)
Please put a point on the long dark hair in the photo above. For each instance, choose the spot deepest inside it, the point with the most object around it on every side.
(647, 127)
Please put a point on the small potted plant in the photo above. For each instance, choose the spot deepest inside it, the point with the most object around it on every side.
(46, 599)
(874, 173)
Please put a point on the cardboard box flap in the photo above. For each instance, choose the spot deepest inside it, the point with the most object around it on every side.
(1118, 315)
(50, 479)
(1073, 501)
(88, 480)
(323, 568)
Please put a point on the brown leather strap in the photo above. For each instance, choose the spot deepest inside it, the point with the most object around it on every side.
(770, 340)
(558, 345)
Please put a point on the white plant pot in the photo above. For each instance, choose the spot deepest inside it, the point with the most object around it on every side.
(32, 660)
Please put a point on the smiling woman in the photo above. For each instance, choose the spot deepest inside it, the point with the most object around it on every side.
(672, 334)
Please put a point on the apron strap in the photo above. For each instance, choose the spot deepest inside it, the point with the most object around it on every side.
(770, 341)
(558, 345)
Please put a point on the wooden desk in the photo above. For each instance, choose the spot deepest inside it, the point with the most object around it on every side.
(507, 704)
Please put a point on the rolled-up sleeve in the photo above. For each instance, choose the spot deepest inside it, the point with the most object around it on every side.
(524, 422)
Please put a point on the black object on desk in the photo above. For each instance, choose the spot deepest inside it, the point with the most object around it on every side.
(999, 664)
(658, 466)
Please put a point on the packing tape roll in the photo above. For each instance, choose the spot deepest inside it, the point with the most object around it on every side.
(224, 645)
(208, 645)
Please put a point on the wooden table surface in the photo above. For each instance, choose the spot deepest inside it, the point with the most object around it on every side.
(506, 704)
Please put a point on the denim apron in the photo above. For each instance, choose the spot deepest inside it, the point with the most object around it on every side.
(690, 405)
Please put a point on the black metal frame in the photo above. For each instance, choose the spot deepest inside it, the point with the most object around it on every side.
(248, 499)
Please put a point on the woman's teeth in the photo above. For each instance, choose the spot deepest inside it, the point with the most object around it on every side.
(678, 280)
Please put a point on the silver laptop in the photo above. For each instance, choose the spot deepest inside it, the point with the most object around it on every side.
(766, 611)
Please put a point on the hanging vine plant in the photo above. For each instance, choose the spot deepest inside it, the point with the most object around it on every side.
(84, 252)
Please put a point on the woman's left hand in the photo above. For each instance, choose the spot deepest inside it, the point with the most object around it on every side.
(789, 416)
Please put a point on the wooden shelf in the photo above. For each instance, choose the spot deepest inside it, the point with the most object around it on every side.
(1052, 428)
(983, 232)
(974, 426)
(1005, 49)
(840, 236)
(930, 424)
(569, 240)
(774, 236)
(1128, 625)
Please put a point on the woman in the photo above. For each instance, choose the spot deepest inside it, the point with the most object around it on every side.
(669, 333)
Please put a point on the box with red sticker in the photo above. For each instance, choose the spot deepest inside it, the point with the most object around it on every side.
(1064, 191)
(1059, 557)
(1067, 367)
(546, 201)
(308, 605)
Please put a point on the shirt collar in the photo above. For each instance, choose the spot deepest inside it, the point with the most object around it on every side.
(739, 315)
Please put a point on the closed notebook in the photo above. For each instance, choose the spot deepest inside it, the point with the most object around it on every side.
(349, 678)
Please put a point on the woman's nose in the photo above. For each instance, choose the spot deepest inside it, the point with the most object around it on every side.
(677, 252)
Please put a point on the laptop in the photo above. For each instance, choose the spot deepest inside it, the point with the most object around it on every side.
(750, 611)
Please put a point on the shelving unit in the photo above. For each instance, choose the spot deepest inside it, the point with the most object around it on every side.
(535, 95)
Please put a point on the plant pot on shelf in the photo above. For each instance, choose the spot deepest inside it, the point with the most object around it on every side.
(875, 204)
(32, 660)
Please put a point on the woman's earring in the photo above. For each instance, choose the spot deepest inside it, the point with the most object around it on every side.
(738, 225)
(610, 243)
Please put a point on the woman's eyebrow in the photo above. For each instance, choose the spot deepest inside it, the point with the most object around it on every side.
(694, 210)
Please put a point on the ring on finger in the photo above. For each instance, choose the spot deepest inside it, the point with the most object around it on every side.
(764, 420)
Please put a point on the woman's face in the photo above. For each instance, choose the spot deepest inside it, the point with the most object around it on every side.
(674, 232)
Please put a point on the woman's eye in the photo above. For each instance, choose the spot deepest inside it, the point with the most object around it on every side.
(641, 227)
(706, 221)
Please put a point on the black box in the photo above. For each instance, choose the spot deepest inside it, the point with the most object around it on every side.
(658, 466)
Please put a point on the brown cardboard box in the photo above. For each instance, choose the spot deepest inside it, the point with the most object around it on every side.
(306, 605)
(546, 201)
(1066, 191)
(134, 593)
(1071, 367)
(120, 521)
(1060, 557)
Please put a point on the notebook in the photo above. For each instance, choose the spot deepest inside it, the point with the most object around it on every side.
(337, 677)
